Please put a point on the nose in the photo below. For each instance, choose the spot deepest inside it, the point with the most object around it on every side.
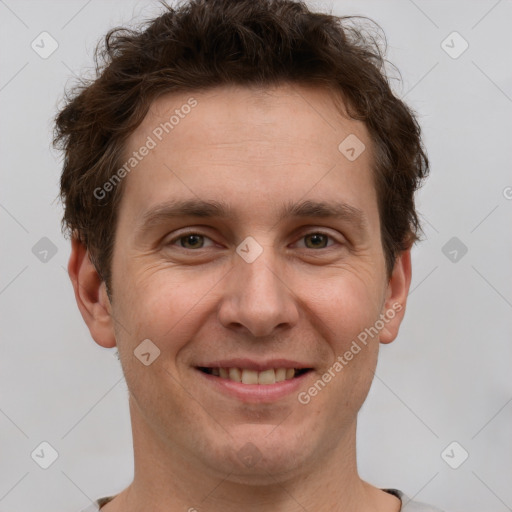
(257, 297)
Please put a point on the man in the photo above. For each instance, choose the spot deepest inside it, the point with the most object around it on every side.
(238, 183)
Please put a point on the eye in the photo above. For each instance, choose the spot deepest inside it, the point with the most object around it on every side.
(318, 240)
(194, 240)
(190, 240)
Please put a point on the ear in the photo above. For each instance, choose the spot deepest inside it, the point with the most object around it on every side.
(91, 295)
(396, 297)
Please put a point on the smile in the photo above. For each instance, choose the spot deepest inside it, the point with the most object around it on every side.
(248, 376)
(254, 385)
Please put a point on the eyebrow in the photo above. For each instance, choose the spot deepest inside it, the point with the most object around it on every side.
(199, 208)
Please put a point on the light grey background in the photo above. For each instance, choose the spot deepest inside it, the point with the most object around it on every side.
(446, 378)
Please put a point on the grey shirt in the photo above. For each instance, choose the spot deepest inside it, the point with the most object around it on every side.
(407, 504)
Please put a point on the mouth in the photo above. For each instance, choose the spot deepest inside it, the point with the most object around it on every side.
(254, 381)
(250, 376)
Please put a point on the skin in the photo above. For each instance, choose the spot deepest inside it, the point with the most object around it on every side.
(254, 149)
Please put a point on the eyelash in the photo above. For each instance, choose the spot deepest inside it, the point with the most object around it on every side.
(189, 233)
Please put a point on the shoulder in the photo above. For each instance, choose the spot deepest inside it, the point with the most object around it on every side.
(409, 505)
(95, 507)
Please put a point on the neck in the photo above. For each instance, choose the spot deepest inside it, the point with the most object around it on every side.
(169, 479)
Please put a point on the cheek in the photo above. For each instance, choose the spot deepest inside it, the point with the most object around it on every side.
(157, 302)
(161, 305)
(346, 310)
(347, 304)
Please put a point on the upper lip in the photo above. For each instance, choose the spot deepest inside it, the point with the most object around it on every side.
(251, 364)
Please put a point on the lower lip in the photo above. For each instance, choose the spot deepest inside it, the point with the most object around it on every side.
(256, 393)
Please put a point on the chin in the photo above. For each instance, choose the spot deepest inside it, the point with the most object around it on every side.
(259, 454)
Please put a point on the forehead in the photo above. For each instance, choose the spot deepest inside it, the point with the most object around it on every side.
(235, 112)
(258, 145)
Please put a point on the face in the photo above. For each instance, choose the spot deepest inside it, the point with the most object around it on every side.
(253, 275)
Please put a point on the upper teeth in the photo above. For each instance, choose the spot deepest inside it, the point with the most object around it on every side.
(245, 376)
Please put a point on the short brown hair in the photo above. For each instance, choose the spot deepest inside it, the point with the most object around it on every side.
(207, 43)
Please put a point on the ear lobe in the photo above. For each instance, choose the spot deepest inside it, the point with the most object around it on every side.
(91, 296)
(396, 297)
